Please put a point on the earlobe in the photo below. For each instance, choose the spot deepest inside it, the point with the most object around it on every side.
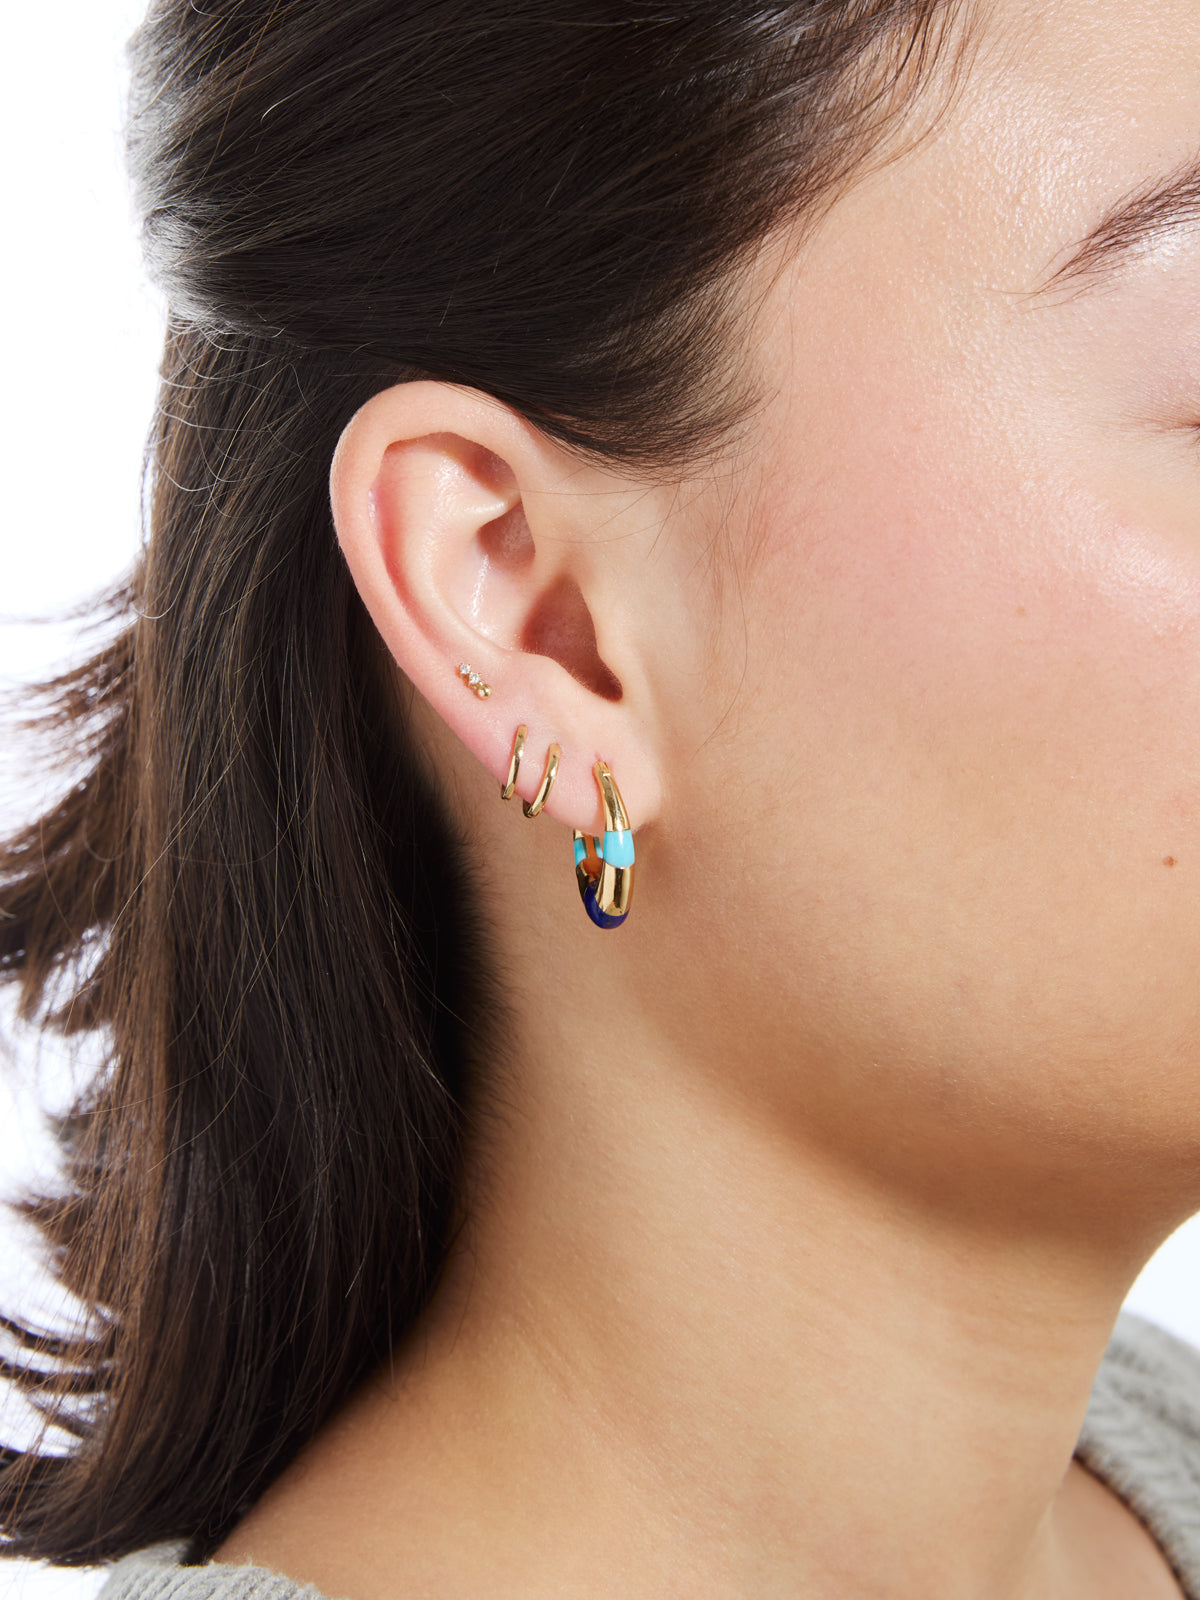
(467, 535)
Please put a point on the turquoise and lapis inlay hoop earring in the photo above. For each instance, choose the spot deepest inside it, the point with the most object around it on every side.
(604, 870)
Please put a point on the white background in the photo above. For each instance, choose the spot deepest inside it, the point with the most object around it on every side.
(81, 336)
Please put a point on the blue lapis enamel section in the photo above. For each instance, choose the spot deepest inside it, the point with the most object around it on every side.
(601, 918)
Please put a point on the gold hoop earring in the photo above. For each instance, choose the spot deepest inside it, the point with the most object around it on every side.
(549, 773)
(509, 787)
(604, 871)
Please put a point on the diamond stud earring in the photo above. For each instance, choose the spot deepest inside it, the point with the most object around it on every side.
(473, 681)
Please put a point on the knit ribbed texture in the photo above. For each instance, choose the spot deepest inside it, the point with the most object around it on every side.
(156, 1574)
(1141, 1437)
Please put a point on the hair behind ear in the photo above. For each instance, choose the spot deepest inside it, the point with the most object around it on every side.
(262, 1180)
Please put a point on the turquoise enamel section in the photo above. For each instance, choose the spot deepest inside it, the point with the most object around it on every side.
(618, 848)
(580, 851)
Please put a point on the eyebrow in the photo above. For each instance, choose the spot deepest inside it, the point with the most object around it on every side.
(1145, 215)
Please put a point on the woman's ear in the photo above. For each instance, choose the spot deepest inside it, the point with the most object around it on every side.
(474, 539)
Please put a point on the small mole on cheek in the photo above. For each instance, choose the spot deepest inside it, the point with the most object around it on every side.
(1020, 611)
(1168, 861)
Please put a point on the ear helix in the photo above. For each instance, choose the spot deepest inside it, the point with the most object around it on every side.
(603, 867)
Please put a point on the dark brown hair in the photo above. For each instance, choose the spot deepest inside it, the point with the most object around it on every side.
(251, 895)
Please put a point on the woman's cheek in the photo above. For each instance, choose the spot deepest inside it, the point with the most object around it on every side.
(1025, 618)
(990, 685)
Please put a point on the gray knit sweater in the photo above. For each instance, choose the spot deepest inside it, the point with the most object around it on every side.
(1141, 1436)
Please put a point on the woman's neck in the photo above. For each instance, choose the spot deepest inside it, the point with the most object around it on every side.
(678, 1352)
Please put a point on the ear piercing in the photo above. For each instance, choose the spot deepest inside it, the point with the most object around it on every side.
(604, 870)
(473, 681)
(603, 867)
(509, 786)
(549, 773)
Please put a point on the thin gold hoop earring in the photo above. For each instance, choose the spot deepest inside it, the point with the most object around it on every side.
(549, 773)
(509, 787)
(604, 870)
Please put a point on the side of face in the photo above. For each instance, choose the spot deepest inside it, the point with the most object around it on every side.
(960, 722)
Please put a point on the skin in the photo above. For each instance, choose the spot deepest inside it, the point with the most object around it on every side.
(804, 1204)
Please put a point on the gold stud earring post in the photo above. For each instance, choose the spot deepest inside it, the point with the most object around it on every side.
(473, 681)
(549, 773)
(509, 786)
